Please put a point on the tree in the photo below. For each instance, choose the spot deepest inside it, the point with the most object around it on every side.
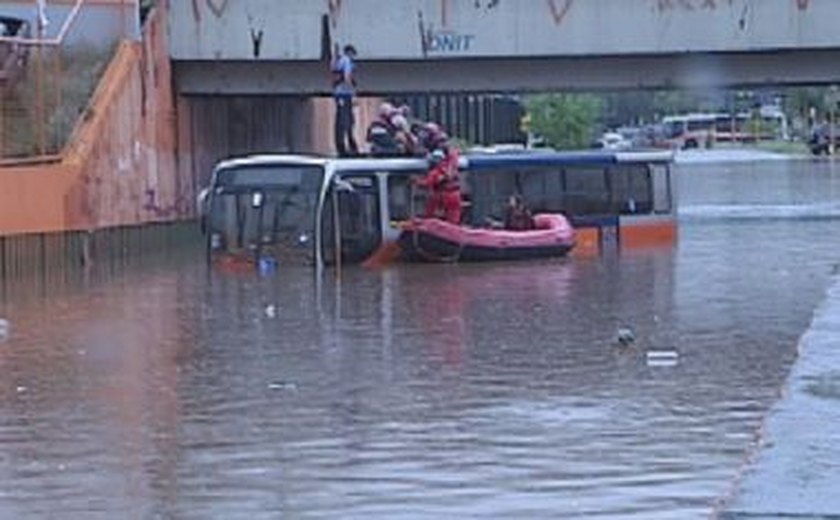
(564, 121)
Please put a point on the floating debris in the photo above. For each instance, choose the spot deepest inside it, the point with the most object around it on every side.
(624, 336)
(267, 266)
(662, 358)
(271, 311)
(5, 329)
(282, 385)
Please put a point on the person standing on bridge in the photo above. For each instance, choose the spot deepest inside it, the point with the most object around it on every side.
(344, 90)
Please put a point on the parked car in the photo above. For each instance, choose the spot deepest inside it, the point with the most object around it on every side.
(613, 141)
(821, 137)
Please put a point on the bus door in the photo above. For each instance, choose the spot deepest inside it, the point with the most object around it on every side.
(353, 204)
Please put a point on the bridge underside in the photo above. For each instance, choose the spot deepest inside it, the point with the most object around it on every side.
(799, 67)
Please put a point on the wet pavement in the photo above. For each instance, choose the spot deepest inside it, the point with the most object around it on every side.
(796, 469)
(493, 391)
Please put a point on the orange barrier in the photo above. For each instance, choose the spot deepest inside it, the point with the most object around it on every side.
(649, 234)
(119, 167)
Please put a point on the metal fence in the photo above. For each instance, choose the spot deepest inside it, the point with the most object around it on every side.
(484, 119)
(52, 54)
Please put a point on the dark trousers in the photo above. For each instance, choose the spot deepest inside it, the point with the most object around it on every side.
(344, 123)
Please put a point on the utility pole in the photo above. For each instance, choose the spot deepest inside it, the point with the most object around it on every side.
(40, 112)
(832, 108)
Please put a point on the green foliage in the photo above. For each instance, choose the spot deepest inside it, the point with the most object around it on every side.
(460, 143)
(564, 121)
(801, 100)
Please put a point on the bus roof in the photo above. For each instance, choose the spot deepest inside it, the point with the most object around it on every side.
(586, 158)
(470, 161)
(272, 160)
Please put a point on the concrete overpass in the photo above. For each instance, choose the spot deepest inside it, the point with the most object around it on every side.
(271, 47)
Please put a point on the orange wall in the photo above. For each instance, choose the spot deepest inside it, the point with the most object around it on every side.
(32, 197)
(129, 160)
(322, 118)
(122, 154)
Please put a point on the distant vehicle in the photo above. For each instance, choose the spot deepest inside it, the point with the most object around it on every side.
(613, 141)
(689, 131)
(13, 55)
(701, 130)
(821, 139)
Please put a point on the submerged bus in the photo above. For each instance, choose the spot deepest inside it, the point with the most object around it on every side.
(328, 211)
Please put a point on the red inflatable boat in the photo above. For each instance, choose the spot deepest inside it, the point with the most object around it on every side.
(433, 240)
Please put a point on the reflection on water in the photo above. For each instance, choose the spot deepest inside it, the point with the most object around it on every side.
(421, 391)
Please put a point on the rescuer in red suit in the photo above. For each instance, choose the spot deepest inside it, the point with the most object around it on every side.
(442, 180)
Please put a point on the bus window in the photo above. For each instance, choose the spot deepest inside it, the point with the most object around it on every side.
(400, 192)
(489, 191)
(631, 189)
(674, 129)
(586, 191)
(661, 180)
(700, 125)
(257, 220)
(542, 189)
(264, 210)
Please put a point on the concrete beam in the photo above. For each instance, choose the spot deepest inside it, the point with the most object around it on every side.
(813, 66)
(296, 30)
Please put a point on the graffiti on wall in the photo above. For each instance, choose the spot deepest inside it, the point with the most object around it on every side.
(257, 32)
(687, 5)
(711, 5)
(478, 5)
(447, 41)
(334, 10)
(217, 7)
(559, 9)
(443, 41)
(443, 36)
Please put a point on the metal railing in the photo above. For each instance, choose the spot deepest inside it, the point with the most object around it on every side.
(48, 72)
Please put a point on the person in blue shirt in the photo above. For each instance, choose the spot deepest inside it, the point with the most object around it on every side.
(344, 89)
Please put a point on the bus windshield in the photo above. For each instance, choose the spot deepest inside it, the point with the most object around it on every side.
(265, 210)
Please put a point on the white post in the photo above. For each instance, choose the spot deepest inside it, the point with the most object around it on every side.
(41, 19)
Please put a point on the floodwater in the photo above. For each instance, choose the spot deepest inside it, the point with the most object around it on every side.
(493, 391)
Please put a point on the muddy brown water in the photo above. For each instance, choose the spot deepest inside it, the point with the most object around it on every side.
(480, 391)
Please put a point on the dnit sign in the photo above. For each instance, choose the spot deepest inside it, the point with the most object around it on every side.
(448, 42)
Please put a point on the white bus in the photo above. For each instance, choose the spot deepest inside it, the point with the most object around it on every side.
(701, 130)
(329, 210)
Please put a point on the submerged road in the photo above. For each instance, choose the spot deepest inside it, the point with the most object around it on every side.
(495, 391)
(797, 466)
